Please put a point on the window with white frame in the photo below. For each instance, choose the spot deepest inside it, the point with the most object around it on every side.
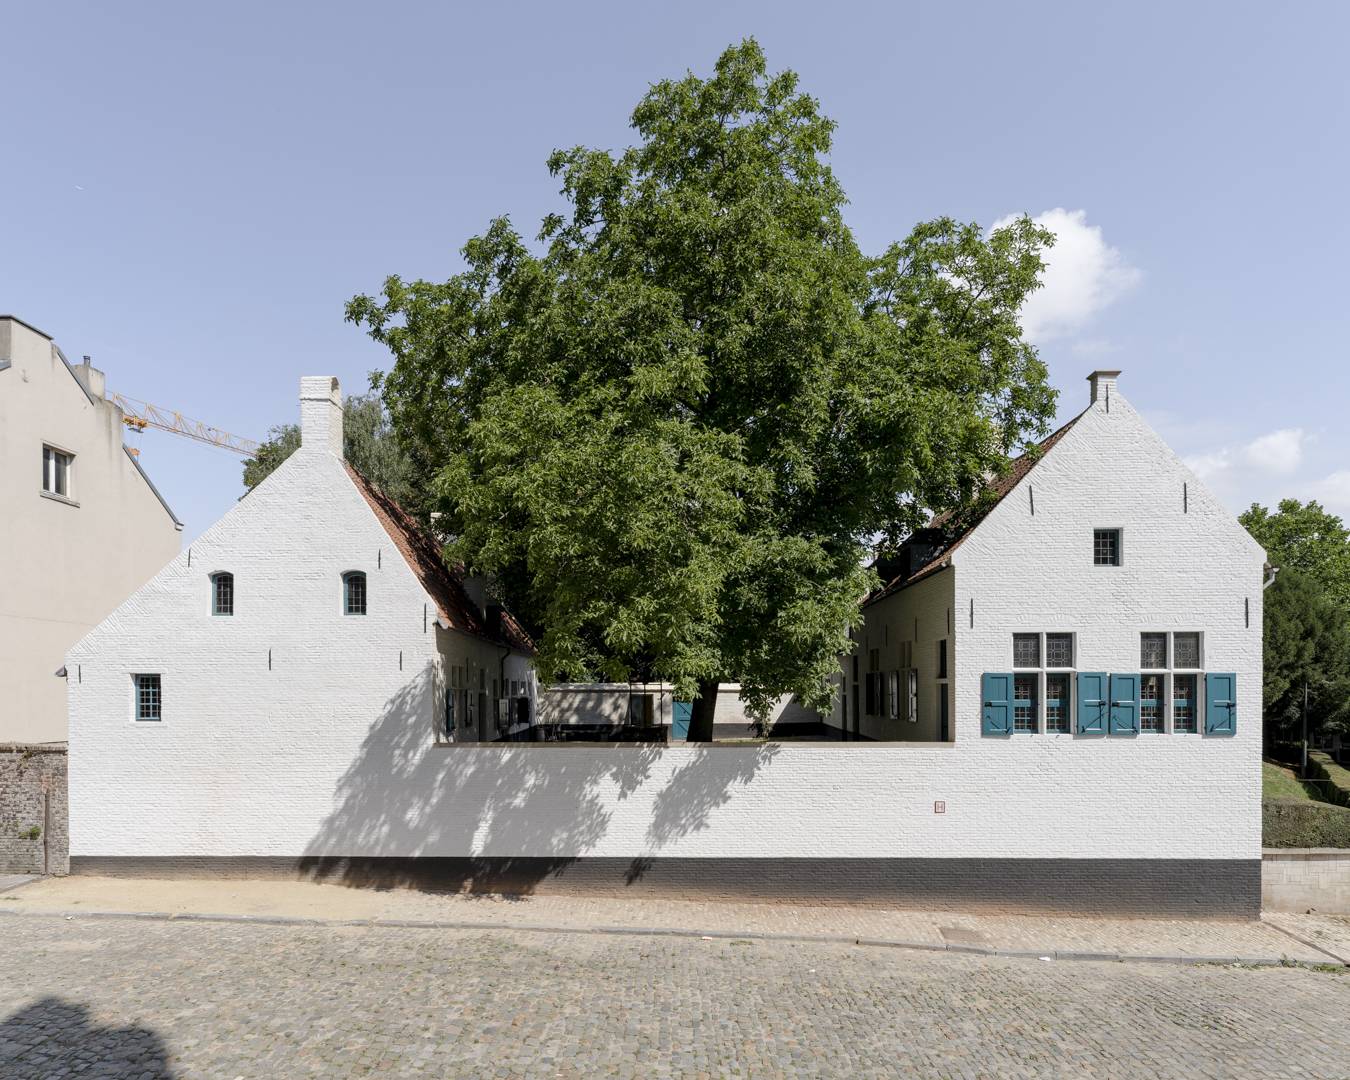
(57, 466)
(1043, 665)
(1171, 664)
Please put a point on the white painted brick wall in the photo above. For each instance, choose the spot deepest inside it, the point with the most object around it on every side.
(312, 757)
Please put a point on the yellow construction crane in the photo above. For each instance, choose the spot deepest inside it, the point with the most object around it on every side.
(140, 415)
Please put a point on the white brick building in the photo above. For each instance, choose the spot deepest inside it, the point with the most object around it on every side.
(293, 738)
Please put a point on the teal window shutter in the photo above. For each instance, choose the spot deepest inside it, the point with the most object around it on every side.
(1220, 704)
(1092, 702)
(997, 697)
(1124, 704)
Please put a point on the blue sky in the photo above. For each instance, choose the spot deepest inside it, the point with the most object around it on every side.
(192, 192)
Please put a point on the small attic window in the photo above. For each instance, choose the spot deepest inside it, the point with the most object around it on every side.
(1105, 547)
(353, 593)
(222, 593)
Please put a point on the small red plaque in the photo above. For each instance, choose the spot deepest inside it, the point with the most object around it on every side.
(939, 807)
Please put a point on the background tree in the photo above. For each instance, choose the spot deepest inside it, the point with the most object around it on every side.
(1307, 642)
(1307, 615)
(1305, 537)
(674, 431)
(368, 443)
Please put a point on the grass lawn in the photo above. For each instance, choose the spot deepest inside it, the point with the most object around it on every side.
(1277, 782)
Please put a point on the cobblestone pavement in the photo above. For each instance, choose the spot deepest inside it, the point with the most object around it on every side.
(156, 999)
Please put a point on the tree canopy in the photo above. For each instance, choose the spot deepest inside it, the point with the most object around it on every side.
(368, 443)
(674, 426)
(1307, 614)
(1307, 538)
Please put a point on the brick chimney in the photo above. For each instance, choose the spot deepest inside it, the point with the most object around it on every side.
(1103, 385)
(321, 414)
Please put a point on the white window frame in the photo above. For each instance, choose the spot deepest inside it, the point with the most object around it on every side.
(50, 453)
(1169, 673)
(1041, 671)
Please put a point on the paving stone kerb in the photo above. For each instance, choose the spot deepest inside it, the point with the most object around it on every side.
(33, 835)
(130, 998)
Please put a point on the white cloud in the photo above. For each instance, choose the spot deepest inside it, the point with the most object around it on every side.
(1083, 275)
(1277, 453)
(1333, 492)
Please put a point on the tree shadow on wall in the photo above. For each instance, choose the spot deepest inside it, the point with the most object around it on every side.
(55, 1037)
(404, 801)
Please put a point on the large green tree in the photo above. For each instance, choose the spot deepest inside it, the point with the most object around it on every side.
(1305, 537)
(368, 443)
(1307, 615)
(1307, 646)
(674, 427)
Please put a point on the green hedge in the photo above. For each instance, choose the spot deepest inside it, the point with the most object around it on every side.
(1332, 781)
(1299, 823)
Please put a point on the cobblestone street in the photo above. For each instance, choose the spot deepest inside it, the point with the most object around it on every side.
(149, 998)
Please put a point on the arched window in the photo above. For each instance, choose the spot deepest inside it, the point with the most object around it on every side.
(222, 593)
(353, 593)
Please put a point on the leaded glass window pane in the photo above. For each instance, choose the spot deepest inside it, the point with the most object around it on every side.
(1026, 650)
(1150, 703)
(1186, 650)
(1153, 650)
(1059, 650)
(1057, 703)
(1024, 703)
(1183, 703)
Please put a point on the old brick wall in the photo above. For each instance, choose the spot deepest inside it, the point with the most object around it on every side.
(33, 835)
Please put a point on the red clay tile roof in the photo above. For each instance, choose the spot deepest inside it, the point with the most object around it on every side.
(958, 524)
(444, 585)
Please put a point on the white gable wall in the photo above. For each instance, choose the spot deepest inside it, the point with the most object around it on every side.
(1187, 565)
(244, 753)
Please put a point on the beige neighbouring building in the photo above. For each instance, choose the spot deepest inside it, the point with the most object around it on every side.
(82, 526)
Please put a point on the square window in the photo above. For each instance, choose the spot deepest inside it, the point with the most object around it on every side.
(1183, 703)
(1024, 703)
(1186, 650)
(1152, 650)
(1105, 547)
(1059, 650)
(147, 697)
(1026, 650)
(1057, 703)
(1150, 703)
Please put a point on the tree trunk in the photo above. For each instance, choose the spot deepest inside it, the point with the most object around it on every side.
(704, 709)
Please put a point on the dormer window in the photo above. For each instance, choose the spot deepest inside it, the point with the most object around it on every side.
(222, 593)
(353, 593)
